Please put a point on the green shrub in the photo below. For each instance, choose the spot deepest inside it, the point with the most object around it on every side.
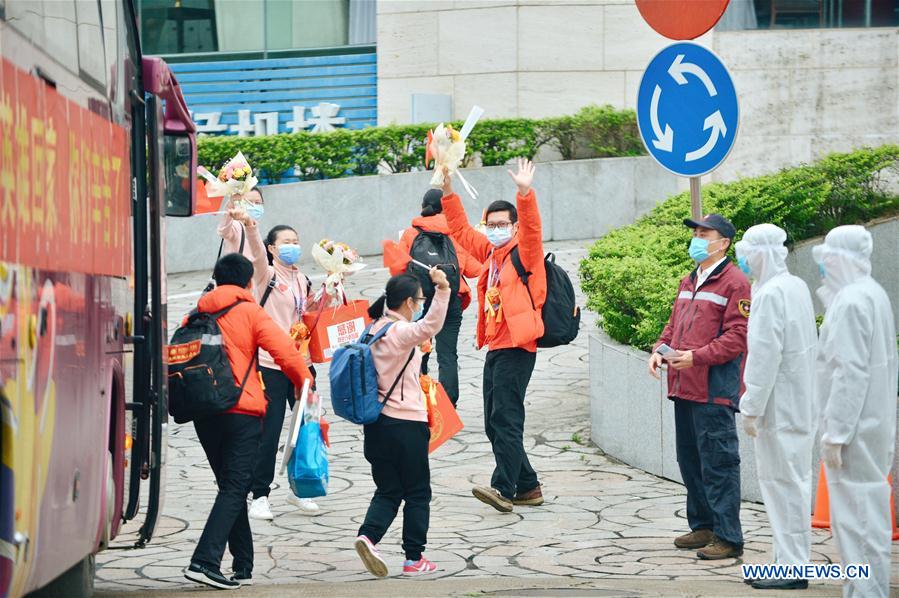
(631, 275)
(598, 131)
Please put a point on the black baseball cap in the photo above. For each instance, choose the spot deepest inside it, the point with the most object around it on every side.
(715, 222)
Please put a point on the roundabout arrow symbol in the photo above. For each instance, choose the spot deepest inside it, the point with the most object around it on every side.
(664, 141)
(679, 69)
(715, 122)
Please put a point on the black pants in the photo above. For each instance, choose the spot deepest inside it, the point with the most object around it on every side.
(230, 442)
(448, 351)
(397, 450)
(507, 373)
(709, 459)
(279, 391)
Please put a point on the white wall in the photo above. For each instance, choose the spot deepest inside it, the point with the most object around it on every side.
(803, 93)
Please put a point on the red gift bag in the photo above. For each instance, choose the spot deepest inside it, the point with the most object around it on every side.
(443, 420)
(334, 326)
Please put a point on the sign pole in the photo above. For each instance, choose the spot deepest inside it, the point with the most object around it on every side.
(696, 197)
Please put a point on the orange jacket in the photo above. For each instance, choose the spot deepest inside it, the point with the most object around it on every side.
(468, 266)
(246, 329)
(521, 325)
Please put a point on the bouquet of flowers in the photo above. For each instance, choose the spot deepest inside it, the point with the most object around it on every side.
(446, 147)
(339, 260)
(234, 178)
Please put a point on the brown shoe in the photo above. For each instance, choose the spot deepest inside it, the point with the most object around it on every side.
(532, 498)
(719, 549)
(698, 539)
(492, 497)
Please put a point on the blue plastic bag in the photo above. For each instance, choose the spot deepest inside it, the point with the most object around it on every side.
(307, 469)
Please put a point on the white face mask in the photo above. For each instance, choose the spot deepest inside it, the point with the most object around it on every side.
(499, 236)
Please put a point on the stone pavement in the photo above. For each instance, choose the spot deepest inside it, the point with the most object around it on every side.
(607, 528)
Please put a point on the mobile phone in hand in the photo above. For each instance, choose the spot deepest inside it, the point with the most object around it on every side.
(666, 352)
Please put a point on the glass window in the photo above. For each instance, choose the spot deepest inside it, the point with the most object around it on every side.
(27, 17)
(60, 32)
(806, 14)
(91, 56)
(185, 26)
(307, 23)
(177, 159)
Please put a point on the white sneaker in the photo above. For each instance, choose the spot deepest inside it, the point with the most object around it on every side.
(260, 509)
(305, 505)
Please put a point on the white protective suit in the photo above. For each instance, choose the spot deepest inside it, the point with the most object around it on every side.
(856, 380)
(779, 379)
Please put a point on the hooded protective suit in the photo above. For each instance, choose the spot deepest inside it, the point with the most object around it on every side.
(856, 376)
(779, 380)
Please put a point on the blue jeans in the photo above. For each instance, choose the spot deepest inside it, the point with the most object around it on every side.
(709, 459)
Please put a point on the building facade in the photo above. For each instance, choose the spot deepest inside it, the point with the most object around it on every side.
(819, 78)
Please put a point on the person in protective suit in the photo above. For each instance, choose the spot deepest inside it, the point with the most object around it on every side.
(777, 405)
(856, 380)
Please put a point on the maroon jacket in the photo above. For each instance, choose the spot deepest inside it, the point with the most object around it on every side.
(711, 321)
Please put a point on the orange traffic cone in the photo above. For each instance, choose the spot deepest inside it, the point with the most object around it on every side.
(821, 516)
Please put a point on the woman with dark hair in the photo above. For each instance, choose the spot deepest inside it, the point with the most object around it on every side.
(432, 225)
(396, 445)
(285, 293)
(232, 229)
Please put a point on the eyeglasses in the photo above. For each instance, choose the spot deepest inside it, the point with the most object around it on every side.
(419, 299)
(498, 225)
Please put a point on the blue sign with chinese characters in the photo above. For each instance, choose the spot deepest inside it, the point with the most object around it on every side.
(687, 110)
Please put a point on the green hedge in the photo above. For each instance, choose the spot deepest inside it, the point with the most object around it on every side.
(631, 275)
(593, 132)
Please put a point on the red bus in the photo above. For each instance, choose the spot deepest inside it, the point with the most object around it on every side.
(96, 145)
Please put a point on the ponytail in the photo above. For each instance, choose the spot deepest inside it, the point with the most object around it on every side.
(399, 288)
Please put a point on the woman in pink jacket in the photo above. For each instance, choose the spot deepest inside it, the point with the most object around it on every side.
(396, 445)
(284, 292)
(232, 229)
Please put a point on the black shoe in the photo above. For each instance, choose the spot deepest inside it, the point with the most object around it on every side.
(749, 581)
(244, 578)
(780, 584)
(209, 577)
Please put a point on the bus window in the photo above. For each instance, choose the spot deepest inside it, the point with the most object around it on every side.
(60, 33)
(91, 57)
(27, 17)
(178, 174)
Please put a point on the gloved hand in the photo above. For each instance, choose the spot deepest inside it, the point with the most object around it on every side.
(751, 425)
(832, 455)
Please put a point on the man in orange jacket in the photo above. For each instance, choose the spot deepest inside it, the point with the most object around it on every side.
(509, 325)
(432, 220)
(231, 440)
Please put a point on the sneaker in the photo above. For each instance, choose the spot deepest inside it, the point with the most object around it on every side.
(780, 584)
(492, 497)
(244, 578)
(370, 556)
(718, 550)
(304, 505)
(532, 498)
(209, 577)
(698, 539)
(261, 509)
(420, 567)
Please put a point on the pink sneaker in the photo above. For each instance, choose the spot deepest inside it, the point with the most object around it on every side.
(370, 556)
(422, 567)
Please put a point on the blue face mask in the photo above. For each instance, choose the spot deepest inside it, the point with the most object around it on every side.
(499, 236)
(699, 249)
(744, 266)
(822, 270)
(419, 313)
(256, 210)
(289, 253)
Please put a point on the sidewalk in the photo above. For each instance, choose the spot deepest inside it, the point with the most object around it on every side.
(605, 524)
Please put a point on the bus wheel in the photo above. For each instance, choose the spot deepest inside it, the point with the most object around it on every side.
(77, 581)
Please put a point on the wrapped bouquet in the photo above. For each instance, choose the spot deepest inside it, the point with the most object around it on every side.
(446, 147)
(234, 178)
(339, 260)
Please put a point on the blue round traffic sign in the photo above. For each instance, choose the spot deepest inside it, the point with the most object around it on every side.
(687, 109)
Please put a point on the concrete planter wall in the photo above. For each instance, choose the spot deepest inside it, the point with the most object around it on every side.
(631, 417)
(579, 199)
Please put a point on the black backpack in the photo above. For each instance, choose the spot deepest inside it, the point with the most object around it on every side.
(201, 383)
(434, 249)
(561, 315)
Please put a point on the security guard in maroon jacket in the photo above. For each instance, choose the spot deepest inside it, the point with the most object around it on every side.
(707, 337)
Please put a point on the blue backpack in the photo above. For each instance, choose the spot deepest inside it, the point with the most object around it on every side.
(354, 380)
